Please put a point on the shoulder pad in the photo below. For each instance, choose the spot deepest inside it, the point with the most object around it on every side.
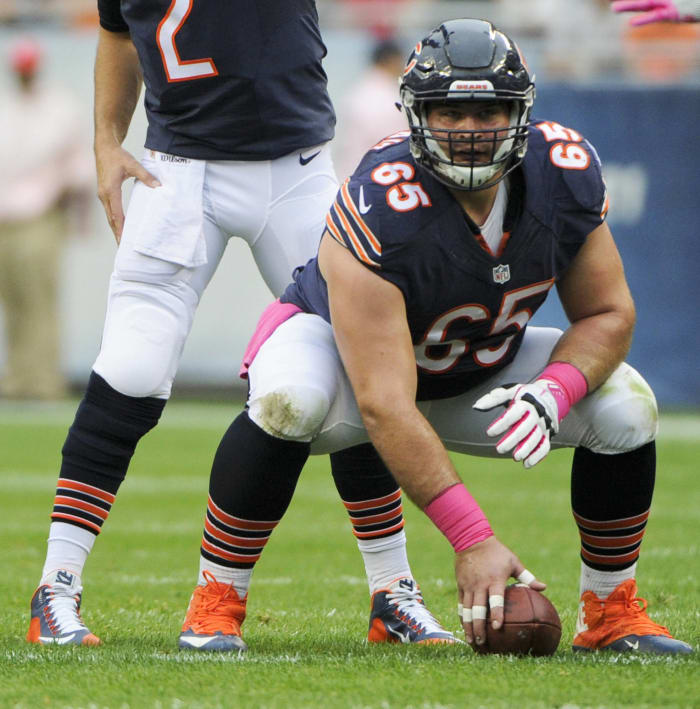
(570, 162)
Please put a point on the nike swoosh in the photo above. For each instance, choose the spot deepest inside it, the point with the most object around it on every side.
(57, 641)
(364, 208)
(306, 161)
(197, 642)
(404, 637)
(634, 645)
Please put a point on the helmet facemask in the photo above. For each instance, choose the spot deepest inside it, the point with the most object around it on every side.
(436, 72)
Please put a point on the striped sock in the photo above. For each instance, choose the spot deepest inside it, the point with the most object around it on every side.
(373, 501)
(611, 499)
(83, 505)
(378, 526)
(611, 545)
(376, 518)
(233, 542)
(79, 511)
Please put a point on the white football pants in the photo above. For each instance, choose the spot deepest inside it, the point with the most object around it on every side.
(299, 391)
(173, 240)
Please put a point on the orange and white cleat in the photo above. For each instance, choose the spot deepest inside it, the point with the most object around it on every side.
(619, 623)
(398, 615)
(55, 612)
(214, 618)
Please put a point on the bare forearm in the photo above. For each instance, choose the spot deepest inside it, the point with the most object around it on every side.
(412, 451)
(117, 87)
(596, 345)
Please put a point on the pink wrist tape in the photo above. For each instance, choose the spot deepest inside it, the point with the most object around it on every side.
(458, 516)
(572, 385)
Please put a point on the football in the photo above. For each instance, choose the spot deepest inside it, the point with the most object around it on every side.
(531, 625)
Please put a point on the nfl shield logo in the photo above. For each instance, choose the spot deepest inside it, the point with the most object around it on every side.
(501, 273)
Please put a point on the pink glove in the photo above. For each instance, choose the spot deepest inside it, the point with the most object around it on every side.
(659, 10)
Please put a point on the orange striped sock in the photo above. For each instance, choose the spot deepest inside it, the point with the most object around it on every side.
(231, 541)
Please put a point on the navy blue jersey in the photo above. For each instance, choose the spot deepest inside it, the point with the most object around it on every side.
(467, 308)
(228, 79)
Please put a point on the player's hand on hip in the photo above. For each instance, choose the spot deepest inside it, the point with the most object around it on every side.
(114, 165)
(657, 10)
(482, 572)
(529, 421)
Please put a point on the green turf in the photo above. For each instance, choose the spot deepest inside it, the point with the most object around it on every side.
(308, 604)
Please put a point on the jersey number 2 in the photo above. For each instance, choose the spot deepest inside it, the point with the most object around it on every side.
(175, 68)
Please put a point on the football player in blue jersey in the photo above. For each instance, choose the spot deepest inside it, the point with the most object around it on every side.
(239, 121)
(411, 326)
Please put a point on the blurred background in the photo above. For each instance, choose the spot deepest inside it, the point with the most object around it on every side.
(634, 93)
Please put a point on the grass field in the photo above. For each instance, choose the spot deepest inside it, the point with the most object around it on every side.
(308, 607)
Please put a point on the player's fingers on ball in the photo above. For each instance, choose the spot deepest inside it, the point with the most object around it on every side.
(479, 613)
(466, 616)
(467, 625)
(496, 604)
(528, 578)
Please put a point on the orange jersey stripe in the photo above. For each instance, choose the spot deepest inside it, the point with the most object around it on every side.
(613, 524)
(333, 231)
(79, 504)
(502, 246)
(87, 489)
(612, 542)
(374, 519)
(374, 502)
(228, 555)
(354, 241)
(73, 518)
(373, 241)
(378, 532)
(231, 521)
(254, 542)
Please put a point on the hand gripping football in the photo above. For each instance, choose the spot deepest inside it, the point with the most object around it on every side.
(531, 625)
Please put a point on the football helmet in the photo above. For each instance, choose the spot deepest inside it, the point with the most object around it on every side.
(467, 60)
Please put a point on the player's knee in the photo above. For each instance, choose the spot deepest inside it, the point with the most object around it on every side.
(138, 382)
(627, 416)
(292, 412)
(140, 350)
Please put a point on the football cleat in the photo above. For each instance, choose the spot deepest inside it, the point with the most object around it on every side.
(398, 615)
(619, 623)
(55, 612)
(214, 618)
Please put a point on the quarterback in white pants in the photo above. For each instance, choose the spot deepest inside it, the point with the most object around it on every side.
(237, 146)
(174, 238)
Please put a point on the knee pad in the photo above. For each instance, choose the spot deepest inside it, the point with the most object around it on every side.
(291, 412)
(623, 411)
(144, 334)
